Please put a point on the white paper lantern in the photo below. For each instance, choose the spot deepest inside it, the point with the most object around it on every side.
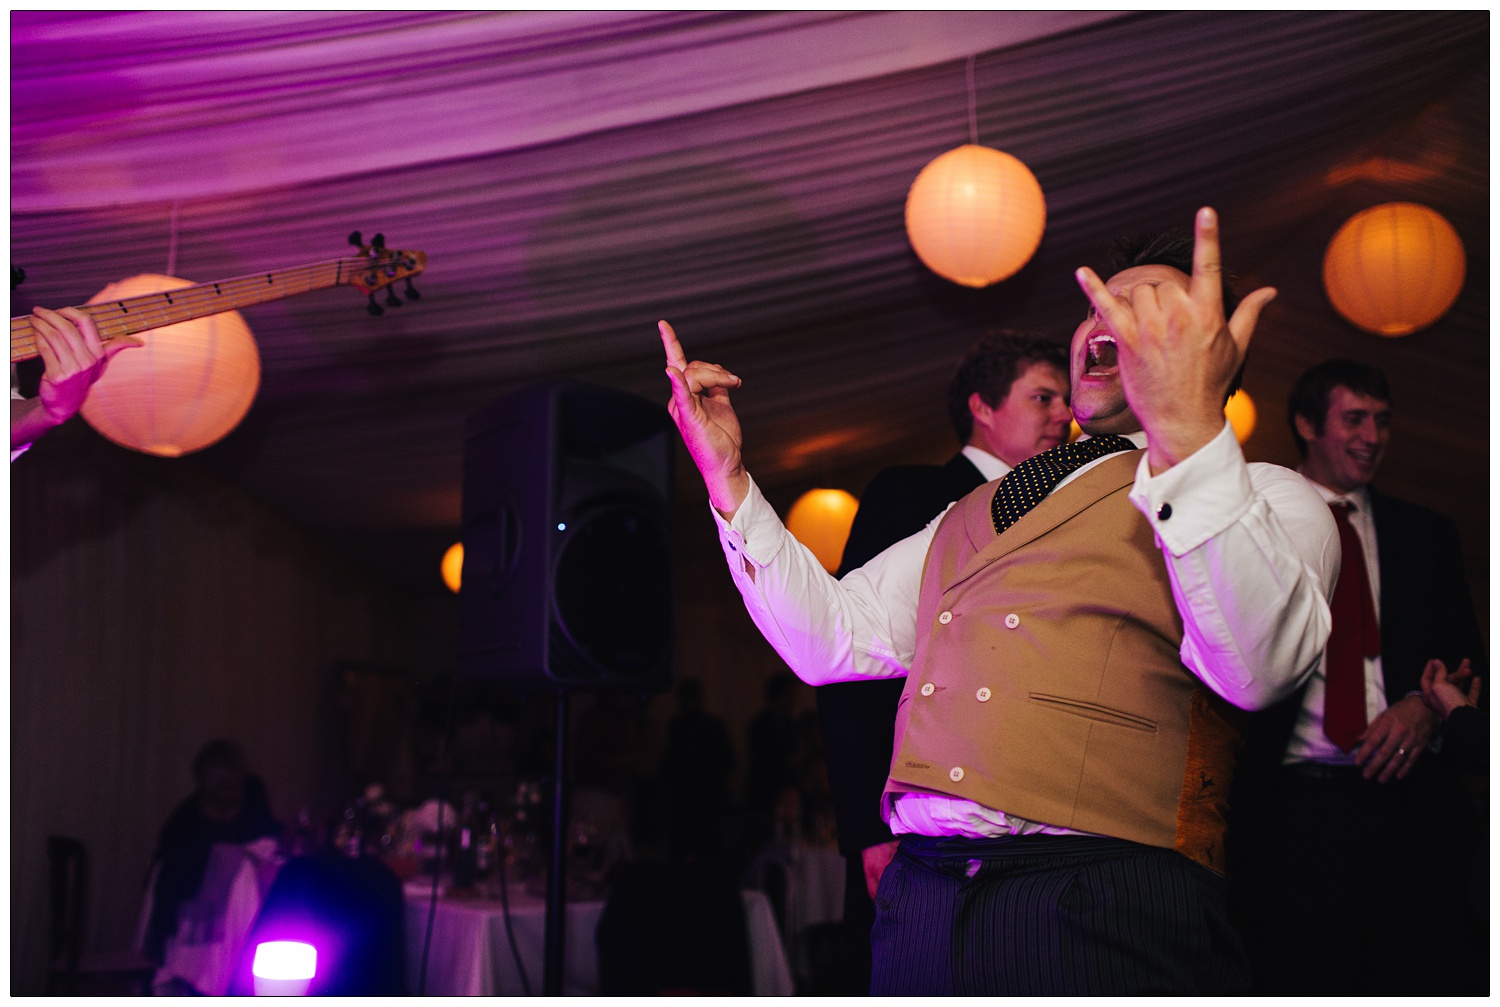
(975, 215)
(188, 386)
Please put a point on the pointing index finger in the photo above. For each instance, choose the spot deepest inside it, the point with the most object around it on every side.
(675, 357)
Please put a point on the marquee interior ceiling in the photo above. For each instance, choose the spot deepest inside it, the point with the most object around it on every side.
(573, 177)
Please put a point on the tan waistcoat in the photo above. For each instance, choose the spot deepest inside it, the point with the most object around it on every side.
(1047, 681)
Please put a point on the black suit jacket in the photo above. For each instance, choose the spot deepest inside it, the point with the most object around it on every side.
(1426, 611)
(858, 719)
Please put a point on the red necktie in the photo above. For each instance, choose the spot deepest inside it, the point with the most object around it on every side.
(1355, 636)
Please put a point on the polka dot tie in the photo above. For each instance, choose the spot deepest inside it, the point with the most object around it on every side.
(1028, 483)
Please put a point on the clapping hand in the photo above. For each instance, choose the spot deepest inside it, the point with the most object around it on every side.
(705, 419)
(1444, 692)
(1177, 353)
(1395, 740)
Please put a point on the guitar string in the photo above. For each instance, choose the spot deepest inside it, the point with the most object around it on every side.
(114, 321)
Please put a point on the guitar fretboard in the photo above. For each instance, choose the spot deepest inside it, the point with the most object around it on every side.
(152, 311)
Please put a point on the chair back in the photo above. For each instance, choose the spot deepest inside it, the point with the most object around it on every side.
(67, 893)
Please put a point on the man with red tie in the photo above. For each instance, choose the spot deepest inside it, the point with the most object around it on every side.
(1345, 803)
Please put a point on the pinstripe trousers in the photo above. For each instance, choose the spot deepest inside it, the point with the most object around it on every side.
(1051, 915)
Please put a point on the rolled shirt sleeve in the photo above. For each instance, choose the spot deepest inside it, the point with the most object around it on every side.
(1252, 552)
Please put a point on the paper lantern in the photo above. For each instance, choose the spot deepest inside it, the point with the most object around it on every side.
(975, 215)
(820, 520)
(1241, 413)
(1394, 268)
(188, 386)
(453, 566)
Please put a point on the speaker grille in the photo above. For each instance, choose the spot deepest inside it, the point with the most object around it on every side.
(613, 598)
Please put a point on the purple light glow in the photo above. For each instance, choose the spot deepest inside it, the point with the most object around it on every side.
(283, 968)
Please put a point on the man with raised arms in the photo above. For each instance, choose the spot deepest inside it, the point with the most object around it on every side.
(1075, 638)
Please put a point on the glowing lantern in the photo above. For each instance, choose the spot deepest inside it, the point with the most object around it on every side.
(453, 566)
(284, 968)
(1241, 413)
(1394, 268)
(820, 520)
(186, 388)
(975, 215)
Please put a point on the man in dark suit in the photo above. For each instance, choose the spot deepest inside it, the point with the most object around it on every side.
(1347, 810)
(1008, 400)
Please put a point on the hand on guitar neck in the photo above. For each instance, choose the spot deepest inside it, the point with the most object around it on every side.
(77, 343)
(73, 356)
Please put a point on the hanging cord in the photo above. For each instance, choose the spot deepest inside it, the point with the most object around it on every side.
(437, 867)
(973, 108)
(172, 240)
(510, 933)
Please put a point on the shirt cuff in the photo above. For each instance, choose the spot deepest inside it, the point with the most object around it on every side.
(755, 534)
(1197, 498)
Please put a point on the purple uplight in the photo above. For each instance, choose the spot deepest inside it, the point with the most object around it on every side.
(284, 968)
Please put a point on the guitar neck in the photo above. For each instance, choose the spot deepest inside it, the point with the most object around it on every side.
(152, 311)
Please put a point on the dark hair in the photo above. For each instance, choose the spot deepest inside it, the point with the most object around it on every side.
(1174, 249)
(1310, 394)
(219, 754)
(991, 366)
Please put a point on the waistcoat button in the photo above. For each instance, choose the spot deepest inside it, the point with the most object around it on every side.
(956, 773)
(945, 618)
(983, 695)
(1012, 621)
(928, 689)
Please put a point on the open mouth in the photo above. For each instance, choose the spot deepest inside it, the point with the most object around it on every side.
(1103, 355)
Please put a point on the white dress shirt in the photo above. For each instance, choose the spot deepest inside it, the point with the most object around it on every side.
(1308, 743)
(1252, 553)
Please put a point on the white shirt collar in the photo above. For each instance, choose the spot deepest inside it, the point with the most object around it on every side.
(989, 466)
(1138, 438)
(1359, 498)
(993, 468)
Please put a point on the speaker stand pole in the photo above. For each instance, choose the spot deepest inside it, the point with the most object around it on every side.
(552, 955)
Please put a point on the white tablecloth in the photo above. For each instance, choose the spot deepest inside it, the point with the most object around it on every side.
(815, 889)
(470, 954)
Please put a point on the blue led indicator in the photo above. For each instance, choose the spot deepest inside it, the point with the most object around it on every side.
(561, 526)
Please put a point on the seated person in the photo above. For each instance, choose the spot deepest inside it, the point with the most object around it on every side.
(230, 805)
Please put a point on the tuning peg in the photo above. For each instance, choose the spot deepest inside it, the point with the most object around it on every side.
(391, 299)
(378, 243)
(374, 308)
(357, 241)
(412, 293)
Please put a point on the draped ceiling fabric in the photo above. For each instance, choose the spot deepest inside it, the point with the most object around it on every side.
(573, 177)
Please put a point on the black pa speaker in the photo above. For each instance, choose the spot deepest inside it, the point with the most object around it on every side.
(567, 575)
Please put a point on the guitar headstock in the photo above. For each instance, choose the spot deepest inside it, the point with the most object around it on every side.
(379, 267)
